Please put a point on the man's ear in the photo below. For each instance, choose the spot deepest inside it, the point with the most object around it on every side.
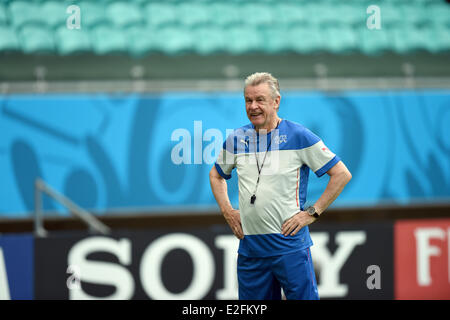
(277, 102)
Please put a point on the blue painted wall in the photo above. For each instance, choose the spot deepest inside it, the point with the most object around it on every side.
(114, 151)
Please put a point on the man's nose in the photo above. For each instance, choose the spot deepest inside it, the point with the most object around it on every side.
(253, 105)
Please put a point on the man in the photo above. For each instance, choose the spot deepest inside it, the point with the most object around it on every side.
(272, 224)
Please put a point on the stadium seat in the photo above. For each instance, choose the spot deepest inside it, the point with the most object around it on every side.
(391, 16)
(408, 39)
(72, 41)
(439, 13)
(400, 43)
(103, 3)
(233, 26)
(241, 40)
(290, 14)
(141, 2)
(340, 40)
(413, 13)
(360, 2)
(225, 14)
(36, 39)
(108, 40)
(193, 14)
(306, 40)
(173, 40)
(190, 1)
(160, 14)
(124, 14)
(208, 40)
(93, 14)
(23, 13)
(313, 11)
(141, 40)
(324, 13)
(257, 14)
(54, 13)
(423, 40)
(353, 14)
(374, 42)
(3, 15)
(275, 40)
(440, 38)
(8, 40)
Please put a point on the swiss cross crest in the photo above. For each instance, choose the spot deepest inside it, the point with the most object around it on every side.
(280, 139)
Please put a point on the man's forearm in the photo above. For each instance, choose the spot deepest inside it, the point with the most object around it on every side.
(219, 189)
(334, 188)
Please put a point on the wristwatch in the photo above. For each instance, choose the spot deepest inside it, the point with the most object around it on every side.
(312, 212)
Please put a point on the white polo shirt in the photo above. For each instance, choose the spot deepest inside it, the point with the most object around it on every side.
(281, 192)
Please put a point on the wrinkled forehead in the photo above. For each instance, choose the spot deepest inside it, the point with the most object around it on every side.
(259, 90)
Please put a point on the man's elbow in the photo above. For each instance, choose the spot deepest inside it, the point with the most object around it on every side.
(347, 176)
(342, 174)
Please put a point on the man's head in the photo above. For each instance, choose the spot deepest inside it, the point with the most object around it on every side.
(262, 99)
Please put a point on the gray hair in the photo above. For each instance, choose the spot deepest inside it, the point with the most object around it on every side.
(264, 77)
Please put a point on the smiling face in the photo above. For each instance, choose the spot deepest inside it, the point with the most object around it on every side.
(261, 106)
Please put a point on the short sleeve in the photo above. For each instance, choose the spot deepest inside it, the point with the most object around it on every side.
(226, 161)
(317, 156)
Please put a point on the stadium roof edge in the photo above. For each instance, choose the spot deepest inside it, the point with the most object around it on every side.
(215, 85)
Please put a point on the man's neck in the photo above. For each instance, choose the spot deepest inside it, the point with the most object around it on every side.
(267, 128)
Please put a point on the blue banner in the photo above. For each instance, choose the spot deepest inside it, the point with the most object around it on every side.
(17, 267)
(154, 152)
